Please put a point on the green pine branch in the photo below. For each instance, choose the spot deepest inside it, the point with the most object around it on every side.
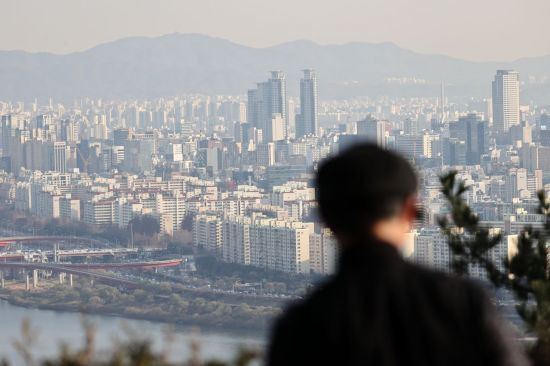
(526, 273)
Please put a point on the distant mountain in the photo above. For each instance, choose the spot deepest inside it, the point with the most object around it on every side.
(190, 63)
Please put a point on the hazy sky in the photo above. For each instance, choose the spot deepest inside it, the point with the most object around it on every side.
(498, 30)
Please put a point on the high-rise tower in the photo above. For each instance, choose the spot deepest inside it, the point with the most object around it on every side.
(277, 93)
(57, 154)
(268, 102)
(505, 100)
(306, 122)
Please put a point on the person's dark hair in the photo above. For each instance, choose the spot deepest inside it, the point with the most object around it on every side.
(361, 185)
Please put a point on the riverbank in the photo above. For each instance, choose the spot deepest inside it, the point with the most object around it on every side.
(53, 331)
(252, 331)
(139, 305)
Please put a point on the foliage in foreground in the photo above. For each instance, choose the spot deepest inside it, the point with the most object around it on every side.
(526, 273)
(133, 352)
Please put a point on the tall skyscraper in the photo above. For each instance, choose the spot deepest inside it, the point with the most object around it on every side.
(306, 123)
(473, 132)
(120, 135)
(442, 105)
(83, 153)
(267, 100)
(7, 132)
(505, 100)
(545, 129)
(372, 129)
(253, 108)
(291, 112)
(277, 93)
(57, 154)
(476, 138)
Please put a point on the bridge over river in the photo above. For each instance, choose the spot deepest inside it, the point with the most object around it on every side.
(85, 269)
(8, 240)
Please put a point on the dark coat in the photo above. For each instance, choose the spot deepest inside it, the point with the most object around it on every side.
(382, 310)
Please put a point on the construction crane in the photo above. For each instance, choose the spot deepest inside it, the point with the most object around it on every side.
(82, 158)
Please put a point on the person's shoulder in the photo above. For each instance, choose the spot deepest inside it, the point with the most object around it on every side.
(447, 284)
(299, 311)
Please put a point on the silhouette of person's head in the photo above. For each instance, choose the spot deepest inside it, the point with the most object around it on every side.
(363, 186)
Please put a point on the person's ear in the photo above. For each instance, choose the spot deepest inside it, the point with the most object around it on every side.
(411, 209)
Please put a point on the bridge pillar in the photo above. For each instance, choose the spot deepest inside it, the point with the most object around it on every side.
(55, 253)
(35, 278)
(27, 283)
(71, 279)
(2, 279)
(61, 278)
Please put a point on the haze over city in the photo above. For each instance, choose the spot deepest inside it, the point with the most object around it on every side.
(264, 171)
(490, 30)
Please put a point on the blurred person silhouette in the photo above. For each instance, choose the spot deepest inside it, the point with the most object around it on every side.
(380, 309)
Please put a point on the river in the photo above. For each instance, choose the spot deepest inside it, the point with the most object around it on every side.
(56, 328)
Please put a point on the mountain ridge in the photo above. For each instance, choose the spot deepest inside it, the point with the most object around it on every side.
(149, 67)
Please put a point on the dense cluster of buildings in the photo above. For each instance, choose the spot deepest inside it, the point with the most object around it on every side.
(242, 167)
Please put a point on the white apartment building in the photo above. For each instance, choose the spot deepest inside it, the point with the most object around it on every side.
(99, 213)
(265, 154)
(323, 252)
(207, 233)
(291, 191)
(236, 239)
(258, 241)
(69, 208)
(23, 196)
(280, 245)
(414, 145)
(126, 210)
(172, 208)
(229, 206)
(431, 249)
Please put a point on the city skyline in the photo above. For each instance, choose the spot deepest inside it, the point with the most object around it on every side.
(206, 163)
(232, 178)
(105, 162)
